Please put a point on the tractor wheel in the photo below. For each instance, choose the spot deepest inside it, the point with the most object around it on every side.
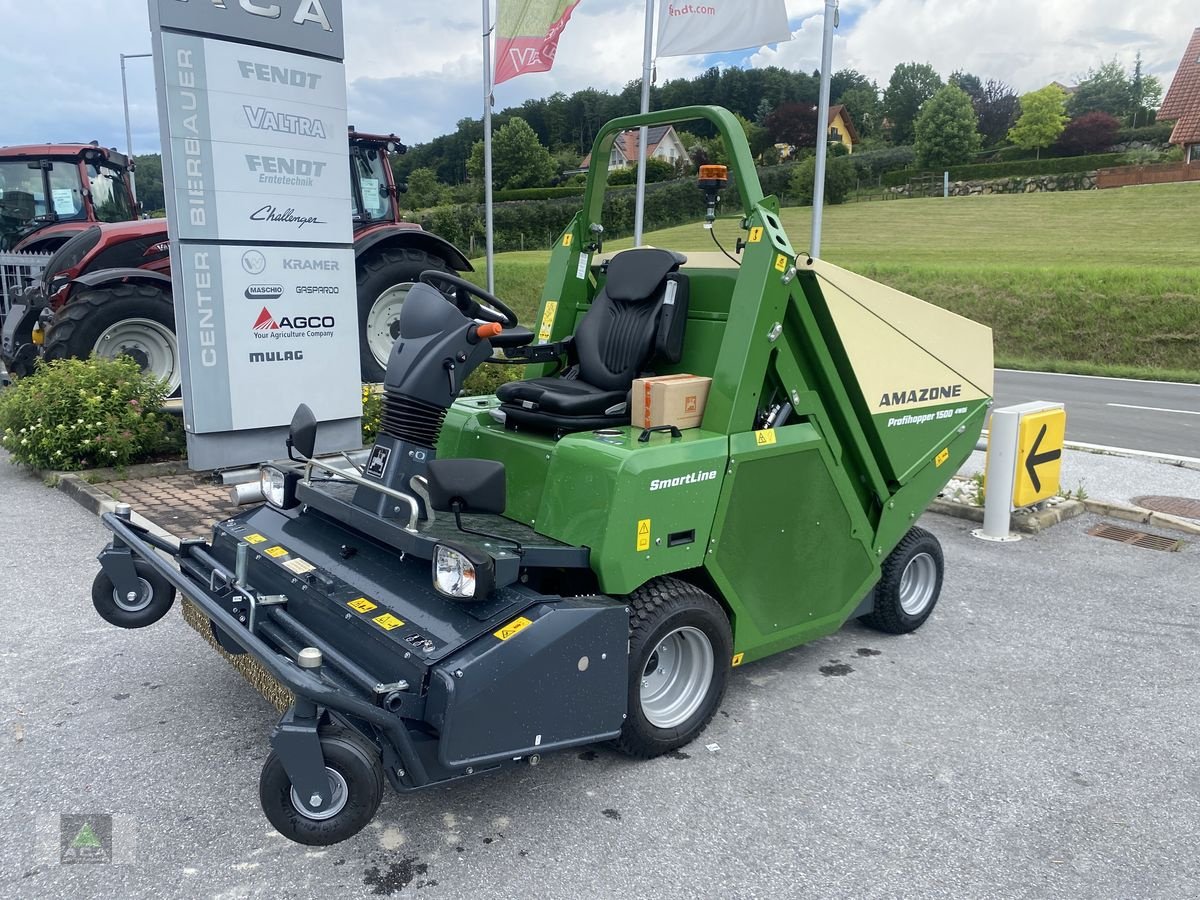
(356, 780)
(154, 598)
(680, 646)
(910, 584)
(383, 282)
(136, 320)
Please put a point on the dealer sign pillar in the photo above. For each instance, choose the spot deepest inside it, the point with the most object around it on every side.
(252, 113)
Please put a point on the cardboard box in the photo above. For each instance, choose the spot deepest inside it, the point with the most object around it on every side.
(669, 400)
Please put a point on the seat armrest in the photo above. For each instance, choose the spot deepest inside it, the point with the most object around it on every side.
(517, 336)
(540, 353)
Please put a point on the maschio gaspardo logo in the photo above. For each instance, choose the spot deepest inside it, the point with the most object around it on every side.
(85, 839)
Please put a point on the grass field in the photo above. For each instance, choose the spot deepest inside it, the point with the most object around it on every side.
(1095, 282)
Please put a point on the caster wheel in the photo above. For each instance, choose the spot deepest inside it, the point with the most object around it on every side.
(152, 601)
(356, 786)
(910, 584)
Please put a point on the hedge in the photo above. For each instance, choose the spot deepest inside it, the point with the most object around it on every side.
(548, 193)
(1016, 169)
(1158, 133)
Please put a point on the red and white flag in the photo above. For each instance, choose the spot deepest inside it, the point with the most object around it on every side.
(527, 35)
(713, 26)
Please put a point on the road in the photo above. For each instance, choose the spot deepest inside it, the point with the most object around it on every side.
(1155, 416)
(1035, 739)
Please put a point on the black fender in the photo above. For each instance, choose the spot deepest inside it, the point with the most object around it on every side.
(101, 277)
(419, 240)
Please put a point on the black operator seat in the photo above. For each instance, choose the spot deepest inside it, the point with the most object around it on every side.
(637, 319)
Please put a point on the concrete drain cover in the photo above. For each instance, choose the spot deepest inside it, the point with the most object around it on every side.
(1137, 538)
(1175, 506)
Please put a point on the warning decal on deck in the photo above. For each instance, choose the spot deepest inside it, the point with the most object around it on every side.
(387, 621)
(737, 659)
(276, 552)
(781, 262)
(764, 438)
(548, 320)
(299, 566)
(362, 605)
(755, 235)
(254, 539)
(941, 458)
(643, 535)
(514, 627)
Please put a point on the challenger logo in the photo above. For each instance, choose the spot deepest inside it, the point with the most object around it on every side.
(930, 394)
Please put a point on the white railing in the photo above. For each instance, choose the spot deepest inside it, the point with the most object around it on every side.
(17, 272)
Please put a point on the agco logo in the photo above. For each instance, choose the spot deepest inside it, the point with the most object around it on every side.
(267, 322)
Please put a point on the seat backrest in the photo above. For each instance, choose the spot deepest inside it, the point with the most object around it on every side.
(617, 337)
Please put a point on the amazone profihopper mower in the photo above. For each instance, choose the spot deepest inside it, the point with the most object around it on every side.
(513, 575)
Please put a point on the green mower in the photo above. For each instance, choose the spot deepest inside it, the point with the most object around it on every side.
(507, 576)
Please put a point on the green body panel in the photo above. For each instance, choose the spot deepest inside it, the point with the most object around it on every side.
(791, 524)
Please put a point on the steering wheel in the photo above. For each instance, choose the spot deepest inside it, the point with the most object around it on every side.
(465, 296)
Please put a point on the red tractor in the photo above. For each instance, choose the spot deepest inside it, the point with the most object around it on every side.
(108, 290)
(51, 192)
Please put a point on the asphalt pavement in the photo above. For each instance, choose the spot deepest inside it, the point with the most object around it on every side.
(1155, 416)
(1035, 739)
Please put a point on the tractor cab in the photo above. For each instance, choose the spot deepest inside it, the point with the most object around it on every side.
(372, 181)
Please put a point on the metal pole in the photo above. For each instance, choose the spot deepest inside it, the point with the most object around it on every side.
(128, 129)
(945, 184)
(487, 144)
(647, 70)
(823, 124)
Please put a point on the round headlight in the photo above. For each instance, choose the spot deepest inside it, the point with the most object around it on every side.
(453, 573)
(273, 485)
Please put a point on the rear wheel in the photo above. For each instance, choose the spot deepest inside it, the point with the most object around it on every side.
(680, 646)
(384, 279)
(134, 320)
(355, 784)
(909, 584)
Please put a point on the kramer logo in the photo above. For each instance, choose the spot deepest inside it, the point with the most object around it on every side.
(287, 217)
(306, 10)
(695, 477)
(264, 292)
(263, 119)
(921, 395)
(307, 265)
(275, 356)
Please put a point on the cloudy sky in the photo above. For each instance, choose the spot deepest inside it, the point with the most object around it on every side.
(414, 65)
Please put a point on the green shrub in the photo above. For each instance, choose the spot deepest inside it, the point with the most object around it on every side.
(1023, 168)
(550, 193)
(840, 180)
(1158, 133)
(76, 414)
(372, 414)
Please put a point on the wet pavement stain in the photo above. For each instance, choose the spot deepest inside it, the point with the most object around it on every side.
(678, 754)
(867, 651)
(612, 814)
(589, 755)
(396, 878)
(120, 696)
(835, 668)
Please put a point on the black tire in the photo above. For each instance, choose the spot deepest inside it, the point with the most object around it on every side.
(356, 762)
(658, 610)
(77, 329)
(902, 606)
(152, 603)
(377, 272)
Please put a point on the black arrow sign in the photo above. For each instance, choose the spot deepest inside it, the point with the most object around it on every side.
(1034, 459)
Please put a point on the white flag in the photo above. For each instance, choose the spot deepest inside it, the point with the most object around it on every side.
(712, 26)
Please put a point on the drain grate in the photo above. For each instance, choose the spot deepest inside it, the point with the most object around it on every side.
(1186, 507)
(1137, 538)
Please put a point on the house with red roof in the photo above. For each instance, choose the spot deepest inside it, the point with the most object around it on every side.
(1182, 103)
(661, 143)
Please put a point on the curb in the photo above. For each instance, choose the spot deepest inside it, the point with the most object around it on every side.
(1032, 521)
(128, 473)
(1142, 515)
(97, 502)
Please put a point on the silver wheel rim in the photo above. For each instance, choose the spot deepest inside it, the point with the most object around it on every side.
(151, 344)
(384, 311)
(677, 677)
(341, 793)
(144, 595)
(917, 584)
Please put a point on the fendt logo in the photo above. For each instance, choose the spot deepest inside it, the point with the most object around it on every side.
(267, 322)
(306, 10)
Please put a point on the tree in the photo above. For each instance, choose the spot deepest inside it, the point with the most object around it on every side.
(149, 182)
(424, 189)
(757, 136)
(840, 180)
(862, 102)
(1092, 132)
(971, 85)
(945, 131)
(910, 86)
(1145, 91)
(996, 111)
(518, 158)
(1105, 89)
(794, 124)
(1043, 116)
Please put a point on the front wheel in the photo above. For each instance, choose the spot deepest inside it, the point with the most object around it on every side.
(153, 599)
(355, 784)
(909, 584)
(680, 646)
(384, 279)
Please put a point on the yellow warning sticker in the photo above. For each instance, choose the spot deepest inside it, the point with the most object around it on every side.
(254, 539)
(755, 235)
(643, 535)
(362, 604)
(387, 621)
(942, 457)
(567, 238)
(764, 438)
(781, 262)
(276, 552)
(299, 566)
(516, 626)
(737, 658)
(548, 320)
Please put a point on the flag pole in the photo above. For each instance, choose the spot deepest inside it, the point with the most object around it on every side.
(823, 125)
(647, 65)
(487, 144)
